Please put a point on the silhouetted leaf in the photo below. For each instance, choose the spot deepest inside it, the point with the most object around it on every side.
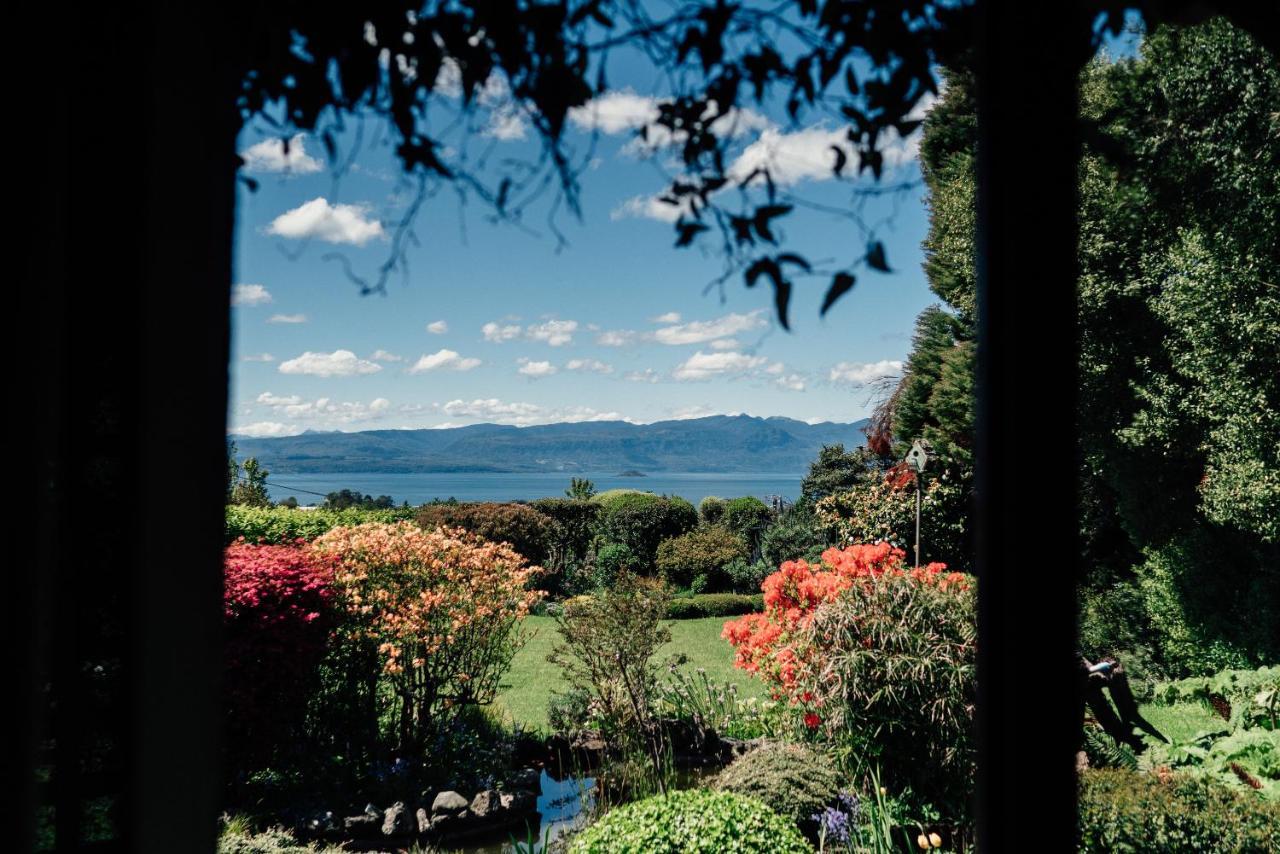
(842, 159)
(762, 267)
(791, 258)
(781, 301)
(688, 231)
(841, 284)
(764, 214)
(876, 258)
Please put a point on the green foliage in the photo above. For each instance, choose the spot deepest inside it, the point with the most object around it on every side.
(580, 489)
(238, 838)
(834, 470)
(689, 821)
(796, 533)
(703, 551)
(642, 520)
(877, 511)
(714, 605)
(529, 532)
(1122, 810)
(285, 525)
(899, 665)
(716, 707)
(748, 517)
(711, 510)
(746, 577)
(250, 489)
(794, 780)
(1254, 695)
(611, 561)
(347, 498)
(607, 646)
(575, 521)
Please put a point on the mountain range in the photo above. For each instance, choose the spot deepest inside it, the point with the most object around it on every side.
(718, 443)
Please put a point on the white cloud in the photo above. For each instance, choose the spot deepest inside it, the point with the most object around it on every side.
(443, 360)
(615, 112)
(267, 429)
(507, 125)
(330, 223)
(339, 363)
(594, 366)
(699, 331)
(530, 368)
(686, 412)
(270, 155)
(725, 344)
(648, 375)
(790, 157)
(791, 382)
(438, 327)
(259, 357)
(647, 207)
(669, 317)
(287, 318)
(704, 366)
(384, 356)
(523, 414)
(554, 332)
(499, 333)
(249, 295)
(617, 338)
(269, 399)
(861, 373)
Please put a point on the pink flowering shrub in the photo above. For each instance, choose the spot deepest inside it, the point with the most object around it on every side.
(440, 607)
(278, 605)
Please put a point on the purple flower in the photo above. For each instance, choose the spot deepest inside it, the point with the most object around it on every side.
(833, 823)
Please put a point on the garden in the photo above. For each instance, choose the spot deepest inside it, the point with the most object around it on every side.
(624, 671)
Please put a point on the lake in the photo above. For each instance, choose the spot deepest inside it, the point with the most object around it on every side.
(421, 487)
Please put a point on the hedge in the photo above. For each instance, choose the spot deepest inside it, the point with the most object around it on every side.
(714, 605)
(285, 525)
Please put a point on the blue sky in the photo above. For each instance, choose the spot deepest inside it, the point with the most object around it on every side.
(498, 324)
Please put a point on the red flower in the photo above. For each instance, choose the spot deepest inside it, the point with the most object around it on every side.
(811, 720)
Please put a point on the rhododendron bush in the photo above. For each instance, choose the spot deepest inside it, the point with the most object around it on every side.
(439, 607)
(872, 651)
(278, 613)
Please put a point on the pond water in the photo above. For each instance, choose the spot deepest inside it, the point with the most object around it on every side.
(563, 806)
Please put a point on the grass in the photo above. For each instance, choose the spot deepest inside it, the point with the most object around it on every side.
(528, 685)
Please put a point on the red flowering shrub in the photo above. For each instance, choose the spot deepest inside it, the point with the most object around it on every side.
(872, 651)
(278, 607)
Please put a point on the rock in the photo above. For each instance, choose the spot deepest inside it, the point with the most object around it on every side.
(362, 826)
(424, 820)
(448, 803)
(485, 803)
(519, 801)
(525, 778)
(397, 820)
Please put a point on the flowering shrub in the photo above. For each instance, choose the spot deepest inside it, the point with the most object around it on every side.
(278, 610)
(441, 607)
(863, 646)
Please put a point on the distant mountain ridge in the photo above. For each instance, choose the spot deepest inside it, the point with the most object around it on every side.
(718, 443)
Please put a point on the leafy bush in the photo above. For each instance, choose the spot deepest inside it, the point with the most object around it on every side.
(610, 497)
(642, 520)
(795, 781)
(274, 840)
(576, 519)
(441, 609)
(1124, 810)
(713, 605)
(1254, 695)
(704, 551)
(285, 525)
(748, 517)
(529, 532)
(797, 533)
(278, 611)
(868, 648)
(711, 510)
(611, 561)
(692, 820)
(606, 652)
(745, 576)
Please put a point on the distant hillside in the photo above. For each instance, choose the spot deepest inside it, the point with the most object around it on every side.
(720, 443)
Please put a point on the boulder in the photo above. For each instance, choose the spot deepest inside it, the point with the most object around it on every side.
(424, 820)
(397, 820)
(485, 804)
(448, 803)
(519, 801)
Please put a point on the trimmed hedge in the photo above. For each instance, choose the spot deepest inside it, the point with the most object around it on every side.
(285, 525)
(1121, 810)
(691, 820)
(642, 520)
(792, 779)
(714, 605)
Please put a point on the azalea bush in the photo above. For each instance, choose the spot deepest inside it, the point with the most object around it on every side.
(278, 611)
(441, 610)
(862, 646)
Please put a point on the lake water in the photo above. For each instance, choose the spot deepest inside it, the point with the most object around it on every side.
(419, 488)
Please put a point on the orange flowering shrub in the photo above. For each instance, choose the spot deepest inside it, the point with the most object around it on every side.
(441, 608)
(874, 652)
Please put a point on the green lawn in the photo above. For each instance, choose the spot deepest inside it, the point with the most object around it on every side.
(529, 683)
